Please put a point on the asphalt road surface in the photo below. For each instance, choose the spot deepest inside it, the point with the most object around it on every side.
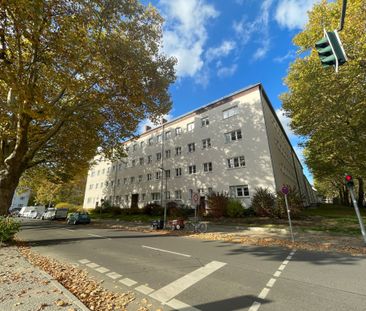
(182, 273)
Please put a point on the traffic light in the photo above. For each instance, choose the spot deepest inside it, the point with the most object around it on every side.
(349, 181)
(330, 50)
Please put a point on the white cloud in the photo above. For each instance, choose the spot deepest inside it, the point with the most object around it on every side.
(227, 71)
(290, 55)
(285, 121)
(292, 14)
(245, 30)
(223, 50)
(185, 32)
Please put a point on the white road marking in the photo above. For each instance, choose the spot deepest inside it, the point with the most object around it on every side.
(96, 235)
(255, 306)
(271, 282)
(171, 290)
(277, 274)
(178, 305)
(144, 289)
(128, 282)
(69, 229)
(102, 270)
(165, 251)
(93, 265)
(263, 293)
(84, 261)
(114, 275)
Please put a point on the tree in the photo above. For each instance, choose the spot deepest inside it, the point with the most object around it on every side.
(75, 76)
(329, 109)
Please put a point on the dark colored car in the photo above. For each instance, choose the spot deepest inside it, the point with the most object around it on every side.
(78, 218)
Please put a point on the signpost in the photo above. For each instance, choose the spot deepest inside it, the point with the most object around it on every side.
(285, 191)
(195, 201)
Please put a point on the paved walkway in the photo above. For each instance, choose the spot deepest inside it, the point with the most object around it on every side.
(24, 287)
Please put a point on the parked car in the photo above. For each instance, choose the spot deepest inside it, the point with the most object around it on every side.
(78, 218)
(55, 213)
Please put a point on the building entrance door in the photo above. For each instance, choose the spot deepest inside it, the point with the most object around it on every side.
(134, 200)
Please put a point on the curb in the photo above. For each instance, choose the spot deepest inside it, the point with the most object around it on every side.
(65, 291)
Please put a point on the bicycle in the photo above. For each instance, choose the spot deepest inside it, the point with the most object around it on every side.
(196, 226)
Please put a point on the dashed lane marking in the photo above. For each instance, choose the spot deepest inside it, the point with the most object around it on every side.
(95, 235)
(263, 294)
(144, 289)
(93, 265)
(102, 270)
(84, 261)
(128, 282)
(114, 275)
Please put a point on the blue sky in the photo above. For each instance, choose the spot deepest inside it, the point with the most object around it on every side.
(225, 45)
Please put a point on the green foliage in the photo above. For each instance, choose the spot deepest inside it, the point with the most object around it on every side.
(153, 209)
(234, 209)
(326, 108)
(72, 207)
(71, 70)
(8, 228)
(263, 202)
(217, 204)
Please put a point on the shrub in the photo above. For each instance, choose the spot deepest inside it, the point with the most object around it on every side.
(217, 204)
(294, 200)
(72, 207)
(234, 208)
(153, 209)
(176, 210)
(263, 202)
(8, 228)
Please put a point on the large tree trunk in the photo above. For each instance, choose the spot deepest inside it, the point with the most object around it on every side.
(360, 192)
(8, 184)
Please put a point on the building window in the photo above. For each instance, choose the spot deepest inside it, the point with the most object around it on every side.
(206, 143)
(112, 182)
(158, 156)
(205, 121)
(159, 138)
(192, 169)
(141, 161)
(91, 186)
(118, 182)
(151, 141)
(191, 147)
(178, 194)
(149, 158)
(155, 196)
(124, 181)
(233, 136)
(96, 186)
(133, 163)
(126, 197)
(239, 191)
(140, 178)
(132, 179)
(178, 151)
(141, 144)
(178, 171)
(190, 127)
(167, 154)
(190, 194)
(230, 112)
(207, 167)
(168, 135)
(167, 173)
(143, 196)
(106, 183)
(157, 175)
(134, 147)
(167, 195)
(148, 176)
(236, 162)
(178, 131)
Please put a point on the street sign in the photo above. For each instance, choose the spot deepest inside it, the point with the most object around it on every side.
(285, 190)
(195, 198)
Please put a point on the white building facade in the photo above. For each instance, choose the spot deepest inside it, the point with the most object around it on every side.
(232, 145)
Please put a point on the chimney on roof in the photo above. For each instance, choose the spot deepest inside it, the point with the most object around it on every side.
(147, 128)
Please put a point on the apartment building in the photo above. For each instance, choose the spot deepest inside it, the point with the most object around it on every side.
(234, 145)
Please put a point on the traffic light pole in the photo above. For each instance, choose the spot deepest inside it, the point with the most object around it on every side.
(354, 201)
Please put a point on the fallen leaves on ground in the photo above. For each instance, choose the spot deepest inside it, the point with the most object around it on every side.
(77, 281)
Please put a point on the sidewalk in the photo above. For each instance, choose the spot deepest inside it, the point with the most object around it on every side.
(23, 287)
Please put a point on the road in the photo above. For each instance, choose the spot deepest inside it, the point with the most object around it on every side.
(189, 274)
